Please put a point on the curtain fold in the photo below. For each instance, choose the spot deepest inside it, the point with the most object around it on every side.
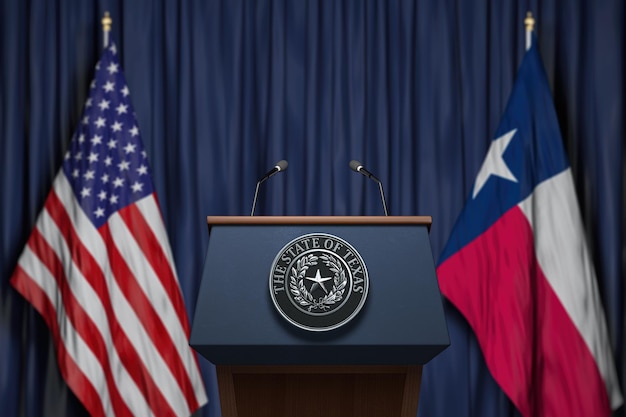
(224, 89)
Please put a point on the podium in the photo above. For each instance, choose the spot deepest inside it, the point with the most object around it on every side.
(319, 316)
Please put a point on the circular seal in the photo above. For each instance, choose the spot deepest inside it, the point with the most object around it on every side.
(318, 282)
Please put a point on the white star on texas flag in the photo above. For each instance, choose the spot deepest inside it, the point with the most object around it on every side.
(494, 163)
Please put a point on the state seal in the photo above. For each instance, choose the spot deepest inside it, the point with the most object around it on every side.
(318, 282)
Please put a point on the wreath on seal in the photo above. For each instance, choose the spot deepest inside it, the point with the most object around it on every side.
(303, 296)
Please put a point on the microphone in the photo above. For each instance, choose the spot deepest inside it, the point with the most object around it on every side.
(356, 166)
(280, 166)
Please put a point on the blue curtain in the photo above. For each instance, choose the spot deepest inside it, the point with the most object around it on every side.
(223, 89)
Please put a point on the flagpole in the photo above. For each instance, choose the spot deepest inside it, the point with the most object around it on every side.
(529, 22)
(106, 27)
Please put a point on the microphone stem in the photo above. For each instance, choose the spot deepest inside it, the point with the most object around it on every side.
(256, 193)
(382, 197)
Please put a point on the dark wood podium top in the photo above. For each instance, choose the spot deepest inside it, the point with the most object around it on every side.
(299, 220)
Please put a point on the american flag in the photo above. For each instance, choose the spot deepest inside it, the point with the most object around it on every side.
(98, 267)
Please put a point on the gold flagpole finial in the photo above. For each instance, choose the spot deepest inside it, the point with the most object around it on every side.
(106, 28)
(529, 22)
(106, 22)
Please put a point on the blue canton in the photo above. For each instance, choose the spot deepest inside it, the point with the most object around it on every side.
(106, 163)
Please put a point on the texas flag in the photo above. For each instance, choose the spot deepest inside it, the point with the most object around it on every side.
(517, 267)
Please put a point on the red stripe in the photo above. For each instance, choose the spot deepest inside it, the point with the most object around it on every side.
(532, 348)
(149, 317)
(148, 243)
(153, 251)
(73, 375)
(93, 274)
(81, 321)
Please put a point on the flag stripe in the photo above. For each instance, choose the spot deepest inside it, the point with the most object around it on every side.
(136, 216)
(91, 305)
(142, 262)
(80, 231)
(76, 315)
(515, 305)
(562, 252)
(149, 209)
(167, 359)
(81, 384)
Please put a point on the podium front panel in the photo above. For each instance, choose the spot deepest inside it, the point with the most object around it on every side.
(401, 321)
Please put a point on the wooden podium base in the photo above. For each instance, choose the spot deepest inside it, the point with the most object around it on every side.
(312, 391)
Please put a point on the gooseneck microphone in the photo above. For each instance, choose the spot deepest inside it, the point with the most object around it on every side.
(280, 166)
(356, 166)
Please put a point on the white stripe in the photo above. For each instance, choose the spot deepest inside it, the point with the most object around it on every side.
(143, 274)
(552, 210)
(75, 346)
(151, 285)
(89, 300)
(151, 213)
(126, 317)
(154, 363)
